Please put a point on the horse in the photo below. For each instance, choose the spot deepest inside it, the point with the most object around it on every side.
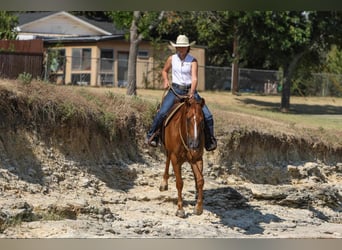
(183, 141)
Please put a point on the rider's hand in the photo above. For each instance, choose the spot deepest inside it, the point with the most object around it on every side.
(191, 94)
(166, 84)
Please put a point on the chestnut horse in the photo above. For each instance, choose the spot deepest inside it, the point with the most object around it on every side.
(183, 139)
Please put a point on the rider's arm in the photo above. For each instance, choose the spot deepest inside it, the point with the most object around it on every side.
(165, 72)
(194, 77)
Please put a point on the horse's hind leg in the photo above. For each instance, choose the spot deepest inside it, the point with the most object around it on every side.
(164, 184)
(197, 169)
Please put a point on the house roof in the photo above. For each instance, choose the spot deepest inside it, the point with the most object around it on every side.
(81, 39)
(106, 28)
(28, 17)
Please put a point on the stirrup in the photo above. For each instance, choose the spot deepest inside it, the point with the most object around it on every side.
(212, 145)
(153, 142)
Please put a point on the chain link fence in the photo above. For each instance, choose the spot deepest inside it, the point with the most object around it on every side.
(326, 84)
(249, 80)
(270, 82)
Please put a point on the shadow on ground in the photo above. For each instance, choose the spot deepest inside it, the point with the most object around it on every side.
(234, 211)
(297, 108)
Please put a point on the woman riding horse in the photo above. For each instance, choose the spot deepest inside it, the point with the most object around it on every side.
(184, 82)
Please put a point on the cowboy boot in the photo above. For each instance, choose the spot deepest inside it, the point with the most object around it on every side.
(152, 137)
(210, 140)
(152, 141)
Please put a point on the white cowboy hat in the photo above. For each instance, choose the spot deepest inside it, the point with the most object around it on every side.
(182, 41)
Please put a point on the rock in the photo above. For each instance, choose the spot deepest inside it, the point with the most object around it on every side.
(270, 192)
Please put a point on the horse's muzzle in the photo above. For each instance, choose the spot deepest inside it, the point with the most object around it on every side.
(193, 143)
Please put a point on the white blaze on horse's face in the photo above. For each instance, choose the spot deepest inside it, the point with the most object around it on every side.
(195, 128)
(193, 141)
(194, 123)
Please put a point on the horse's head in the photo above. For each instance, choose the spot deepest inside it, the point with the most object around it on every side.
(194, 123)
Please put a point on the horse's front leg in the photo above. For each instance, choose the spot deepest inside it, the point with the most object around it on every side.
(179, 185)
(197, 169)
(164, 184)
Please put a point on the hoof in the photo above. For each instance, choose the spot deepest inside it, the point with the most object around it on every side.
(180, 213)
(163, 188)
(198, 211)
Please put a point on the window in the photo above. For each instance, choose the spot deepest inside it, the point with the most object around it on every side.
(56, 65)
(107, 79)
(143, 54)
(107, 60)
(106, 74)
(122, 68)
(56, 59)
(80, 79)
(81, 59)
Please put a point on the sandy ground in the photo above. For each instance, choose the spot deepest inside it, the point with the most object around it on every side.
(142, 211)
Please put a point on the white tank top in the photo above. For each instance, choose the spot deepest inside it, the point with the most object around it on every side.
(181, 69)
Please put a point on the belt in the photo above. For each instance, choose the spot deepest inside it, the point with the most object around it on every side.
(181, 87)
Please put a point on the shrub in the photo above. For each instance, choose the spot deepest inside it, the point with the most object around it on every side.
(25, 78)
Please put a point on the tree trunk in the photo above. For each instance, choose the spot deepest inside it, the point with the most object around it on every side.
(132, 69)
(132, 58)
(135, 39)
(286, 92)
(235, 66)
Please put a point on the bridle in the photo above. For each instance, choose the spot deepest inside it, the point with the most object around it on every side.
(185, 143)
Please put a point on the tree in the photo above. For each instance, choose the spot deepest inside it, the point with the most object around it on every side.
(286, 35)
(176, 23)
(139, 24)
(8, 22)
(313, 33)
(333, 61)
(228, 29)
(272, 39)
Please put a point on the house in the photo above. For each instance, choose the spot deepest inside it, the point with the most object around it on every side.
(84, 51)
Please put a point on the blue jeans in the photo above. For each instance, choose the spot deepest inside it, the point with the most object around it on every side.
(167, 104)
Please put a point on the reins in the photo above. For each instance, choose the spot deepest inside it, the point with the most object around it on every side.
(178, 107)
(181, 136)
(173, 90)
(174, 111)
(180, 133)
(179, 96)
(185, 144)
(179, 128)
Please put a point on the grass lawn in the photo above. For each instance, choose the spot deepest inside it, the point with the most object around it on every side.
(313, 112)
